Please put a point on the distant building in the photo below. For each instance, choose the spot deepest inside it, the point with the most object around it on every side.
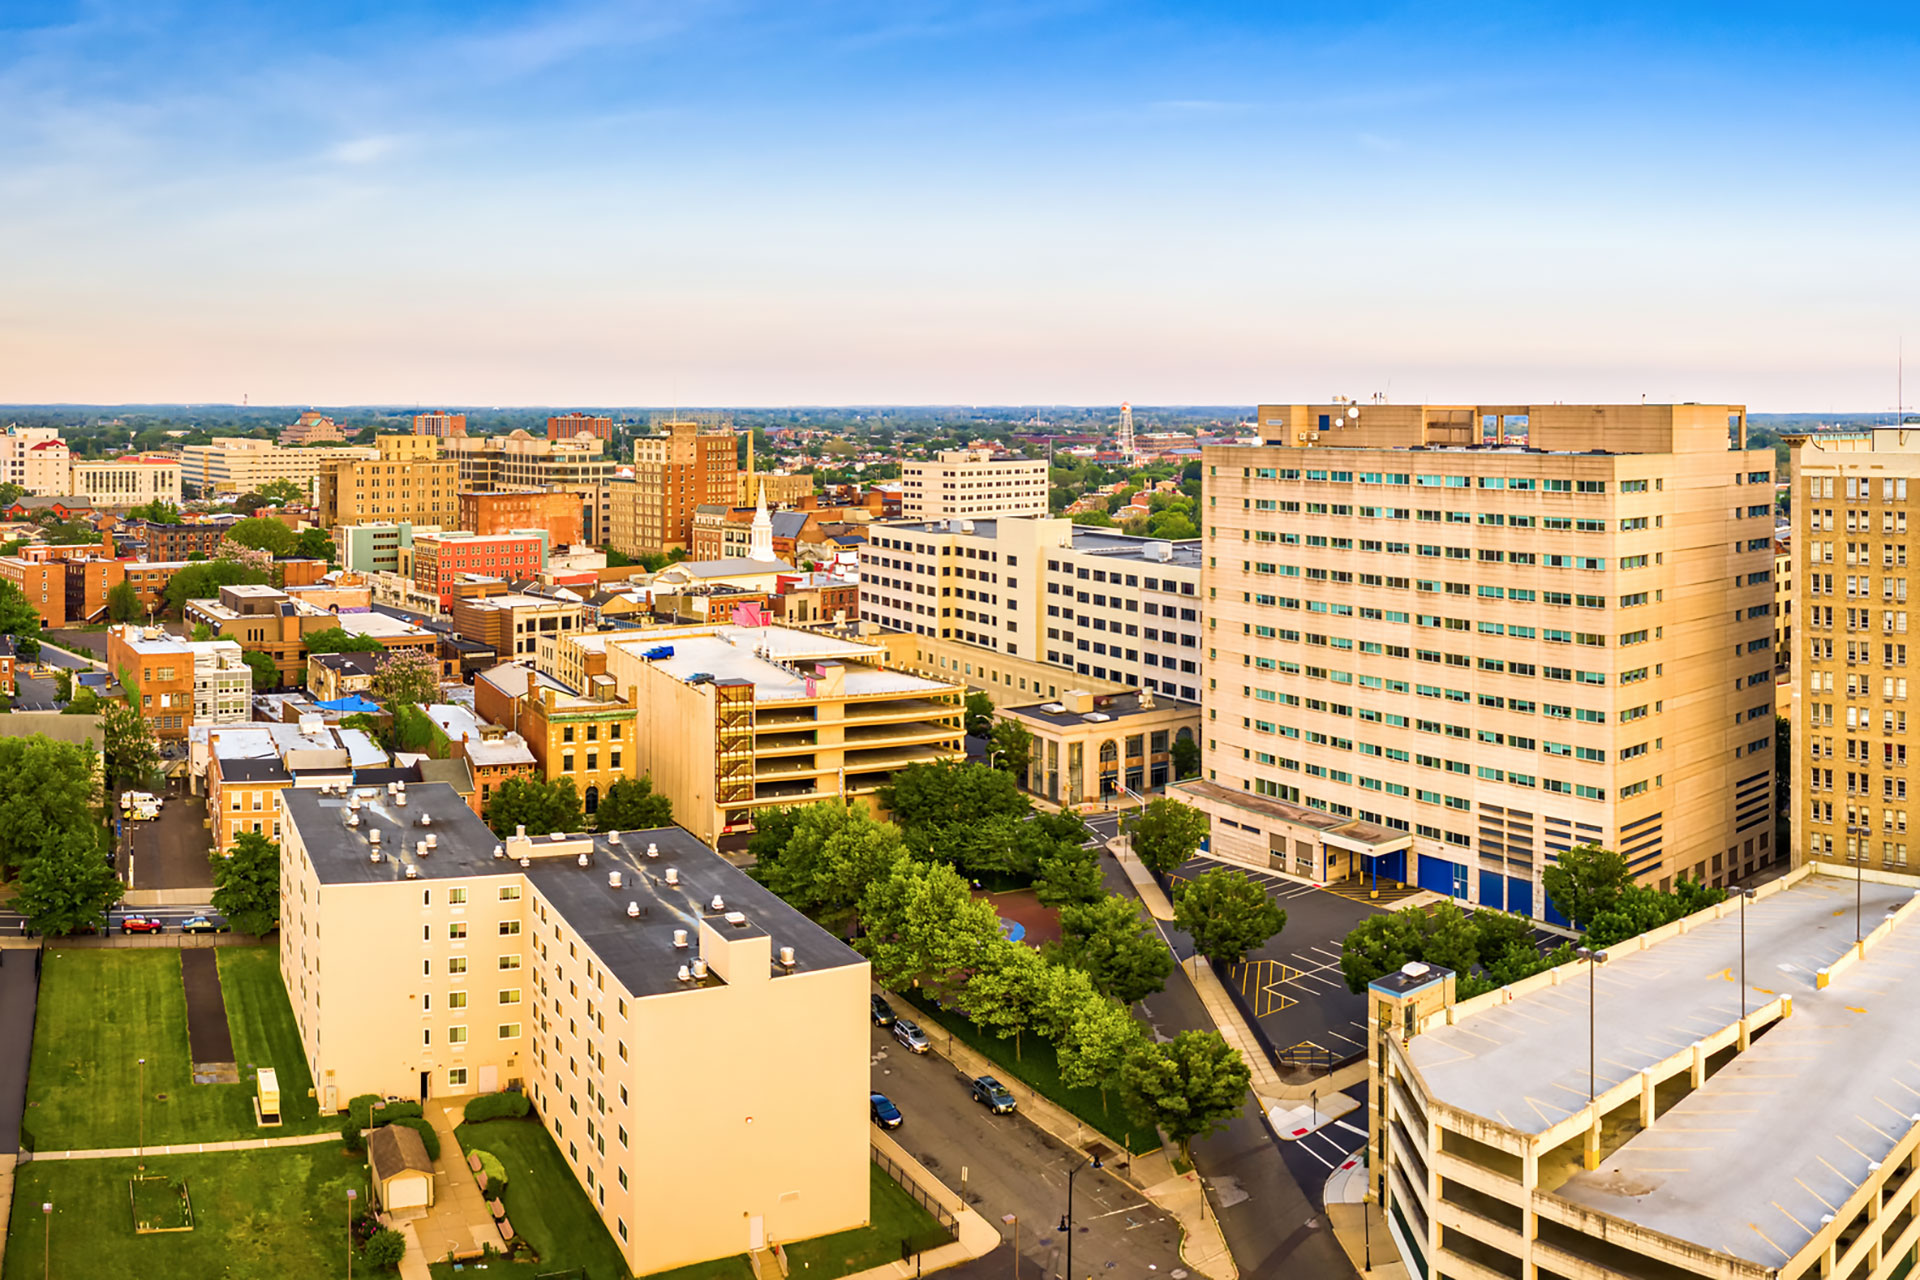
(440, 560)
(569, 425)
(587, 738)
(407, 480)
(133, 480)
(973, 483)
(177, 541)
(239, 464)
(313, 428)
(440, 424)
(557, 511)
(36, 459)
(674, 473)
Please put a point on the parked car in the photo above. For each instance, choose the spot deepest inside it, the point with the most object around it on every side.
(142, 924)
(204, 924)
(909, 1034)
(882, 1012)
(885, 1114)
(993, 1095)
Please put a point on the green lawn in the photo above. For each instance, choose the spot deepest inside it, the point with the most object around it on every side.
(897, 1218)
(1037, 1067)
(544, 1203)
(256, 1213)
(102, 1010)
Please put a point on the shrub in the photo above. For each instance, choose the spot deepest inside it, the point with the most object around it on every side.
(385, 1249)
(360, 1106)
(350, 1134)
(495, 1171)
(396, 1109)
(427, 1135)
(496, 1106)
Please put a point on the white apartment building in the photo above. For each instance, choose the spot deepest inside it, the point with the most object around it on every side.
(131, 481)
(222, 683)
(242, 465)
(1089, 602)
(971, 483)
(36, 459)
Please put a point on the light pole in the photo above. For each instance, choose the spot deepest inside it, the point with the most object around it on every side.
(1859, 877)
(1594, 960)
(1744, 895)
(143, 1114)
(46, 1240)
(1066, 1223)
(352, 1195)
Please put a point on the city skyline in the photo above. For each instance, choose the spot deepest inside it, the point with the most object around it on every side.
(855, 204)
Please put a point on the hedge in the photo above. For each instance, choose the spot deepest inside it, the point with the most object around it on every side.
(370, 1110)
(497, 1106)
(425, 1130)
(495, 1171)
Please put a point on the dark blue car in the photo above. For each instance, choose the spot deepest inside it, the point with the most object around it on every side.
(885, 1114)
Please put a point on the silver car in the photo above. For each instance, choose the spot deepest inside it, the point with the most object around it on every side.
(910, 1035)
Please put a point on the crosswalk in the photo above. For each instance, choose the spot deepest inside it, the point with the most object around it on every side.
(1333, 1145)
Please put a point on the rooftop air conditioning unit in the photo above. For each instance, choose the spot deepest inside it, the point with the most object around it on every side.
(400, 799)
(673, 875)
(786, 957)
(557, 835)
(373, 836)
(680, 938)
(584, 859)
(1053, 708)
(653, 850)
(433, 841)
(419, 848)
(738, 919)
(1414, 969)
(373, 856)
(699, 969)
(613, 837)
(413, 873)
(613, 879)
(718, 904)
(1098, 717)
(633, 911)
(353, 819)
(526, 862)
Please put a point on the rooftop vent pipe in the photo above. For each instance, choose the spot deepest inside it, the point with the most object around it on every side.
(673, 875)
(680, 938)
(633, 911)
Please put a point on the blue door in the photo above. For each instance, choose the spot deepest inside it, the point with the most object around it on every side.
(1442, 876)
(1493, 890)
(1394, 866)
(1520, 896)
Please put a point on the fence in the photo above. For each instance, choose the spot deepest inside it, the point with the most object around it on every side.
(908, 1183)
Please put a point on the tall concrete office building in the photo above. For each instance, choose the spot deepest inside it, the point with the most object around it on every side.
(972, 483)
(1447, 644)
(409, 481)
(683, 467)
(1854, 496)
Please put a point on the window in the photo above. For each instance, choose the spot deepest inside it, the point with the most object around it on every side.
(510, 995)
(509, 893)
(456, 1035)
(457, 896)
(456, 1076)
(458, 964)
(458, 929)
(509, 962)
(509, 1031)
(509, 928)
(456, 999)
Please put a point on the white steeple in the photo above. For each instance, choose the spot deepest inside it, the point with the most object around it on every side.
(760, 544)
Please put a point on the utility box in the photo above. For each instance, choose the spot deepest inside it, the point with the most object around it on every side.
(266, 1103)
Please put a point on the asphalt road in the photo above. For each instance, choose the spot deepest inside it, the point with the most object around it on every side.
(1014, 1168)
(12, 924)
(170, 852)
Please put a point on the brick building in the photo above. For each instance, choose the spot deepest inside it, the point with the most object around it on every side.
(555, 510)
(674, 473)
(588, 738)
(440, 560)
(409, 481)
(177, 541)
(158, 670)
(569, 425)
(440, 423)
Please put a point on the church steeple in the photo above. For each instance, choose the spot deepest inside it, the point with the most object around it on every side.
(760, 544)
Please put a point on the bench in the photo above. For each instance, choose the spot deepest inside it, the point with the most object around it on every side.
(506, 1230)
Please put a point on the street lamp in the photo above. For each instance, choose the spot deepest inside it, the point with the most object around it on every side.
(352, 1195)
(46, 1240)
(1066, 1222)
(1594, 960)
(1743, 895)
(142, 1100)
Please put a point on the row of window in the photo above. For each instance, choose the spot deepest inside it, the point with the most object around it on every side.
(1551, 710)
(1514, 484)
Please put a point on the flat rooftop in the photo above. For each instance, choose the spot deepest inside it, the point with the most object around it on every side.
(638, 950)
(1748, 1163)
(775, 660)
(1108, 707)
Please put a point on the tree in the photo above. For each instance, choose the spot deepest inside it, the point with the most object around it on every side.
(833, 852)
(541, 807)
(384, 1249)
(69, 532)
(1165, 834)
(1186, 757)
(1005, 987)
(127, 743)
(1010, 747)
(1113, 944)
(1227, 915)
(1172, 524)
(772, 828)
(282, 493)
(979, 713)
(159, 511)
(247, 884)
(11, 493)
(202, 633)
(316, 544)
(632, 804)
(1188, 1087)
(951, 792)
(69, 885)
(63, 685)
(340, 640)
(1095, 1045)
(266, 675)
(20, 620)
(1072, 874)
(262, 533)
(123, 602)
(924, 926)
(405, 677)
(1586, 881)
(84, 703)
(44, 786)
(203, 580)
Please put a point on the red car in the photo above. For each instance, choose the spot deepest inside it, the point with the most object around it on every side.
(142, 924)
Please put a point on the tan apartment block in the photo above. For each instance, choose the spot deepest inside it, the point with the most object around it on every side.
(408, 481)
(1611, 1121)
(973, 483)
(1447, 644)
(735, 718)
(514, 624)
(240, 464)
(1854, 495)
(426, 957)
(681, 468)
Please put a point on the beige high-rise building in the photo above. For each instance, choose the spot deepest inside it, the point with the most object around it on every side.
(1854, 496)
(408, 481)
(973, 482)
(616, 979)
(682, 468)
(36, 459)
(241, 464)
(1447, 644)
(132, 480)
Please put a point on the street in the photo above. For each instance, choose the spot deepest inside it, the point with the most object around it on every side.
(1011, 1167)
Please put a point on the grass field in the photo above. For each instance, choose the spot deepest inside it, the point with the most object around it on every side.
(280, 1212)
(101, 1010)
(544, 1203)
(1036, 1067)
(897, 1218)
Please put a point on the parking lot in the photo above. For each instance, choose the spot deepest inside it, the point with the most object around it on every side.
(170, 852)
(1294, 985)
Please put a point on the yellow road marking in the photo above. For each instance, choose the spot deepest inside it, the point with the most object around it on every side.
(1854, 1008)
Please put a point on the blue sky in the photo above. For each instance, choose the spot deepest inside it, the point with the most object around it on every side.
(748, 203)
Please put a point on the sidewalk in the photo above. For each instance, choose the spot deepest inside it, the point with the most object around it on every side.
(1359, 1225)
(976, 1237)
(1179, 1195)
(459, 1221)
(189, 1148)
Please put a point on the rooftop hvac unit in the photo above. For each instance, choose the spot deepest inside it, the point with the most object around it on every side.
(699, 969)
(413, 873)
(526, 862)
(613, 879)
(786, 957)
(653, 850)
(613, 837)
(353, 801)
(633, 911)
(685, 974)
(433, 840)
(499, 851)
(584, 860)
(718, 904)
(1052, 708)
(373, 836)
(1098, 717)
(419, 848)
(673, 876)
(400, 799)
(680, 938)
(373, 856)
(738, 919)
(556, 835)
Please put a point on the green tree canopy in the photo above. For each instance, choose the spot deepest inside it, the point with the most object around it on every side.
(772, 828)
(1115, 945)
(923, 927)
(132, 756)
(832, 854)
(979, 712)
(123, 602)
(1227, 915)
(340, 640)
(632, 804)
(1005, 990)
(1092, 1050)
(247, 884)
(316, 544)
(542, 807)
(45, 786)
(1185, 754)
(20, 620)
(1188, 1087)
(1165, 834)
(159, 511)
(1069, 874)
(203, 579)
(263, 533)
(405, 677)
(952, 792)
(282, 493)
(1010, 747)
(266, 675)
(1586, 881)
(69, 885)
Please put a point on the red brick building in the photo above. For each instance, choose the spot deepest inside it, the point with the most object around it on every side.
(503, 511)
(569, 425)
(181, 541)
(438, 561)
(440, 423)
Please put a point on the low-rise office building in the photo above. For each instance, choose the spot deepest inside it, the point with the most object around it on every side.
(332, 676)
(587, 738)
(557, 511)
(426, 957)
(158, 670)
(1502, 1145)
(441, 560)
(514, 623)
(130, 481)
(1089, 749)
(735, 718)
(240, 464)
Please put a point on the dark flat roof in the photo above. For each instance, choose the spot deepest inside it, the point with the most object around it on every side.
(1117, 706)
(245, 770)
(638, 950)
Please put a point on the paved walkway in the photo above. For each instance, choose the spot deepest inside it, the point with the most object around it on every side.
(976, 1236)
(190, 1148)
(460, 1220)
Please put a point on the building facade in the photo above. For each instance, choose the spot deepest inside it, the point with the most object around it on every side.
(36, 459)
(131, 481)
(440, 424)
(558, 511)
(312, 427)
(569, 425)
(222, 683)
(158, 670)
(973, 483)
(441, 560)
(587, 738)
(514, 624)
(179, 541)
(674, 473)
(239, 464)
(579, 465)
(1091, 749)
(1484, 636)
(407, 481)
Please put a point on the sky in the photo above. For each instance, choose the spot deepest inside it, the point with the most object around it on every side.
(729, 202)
